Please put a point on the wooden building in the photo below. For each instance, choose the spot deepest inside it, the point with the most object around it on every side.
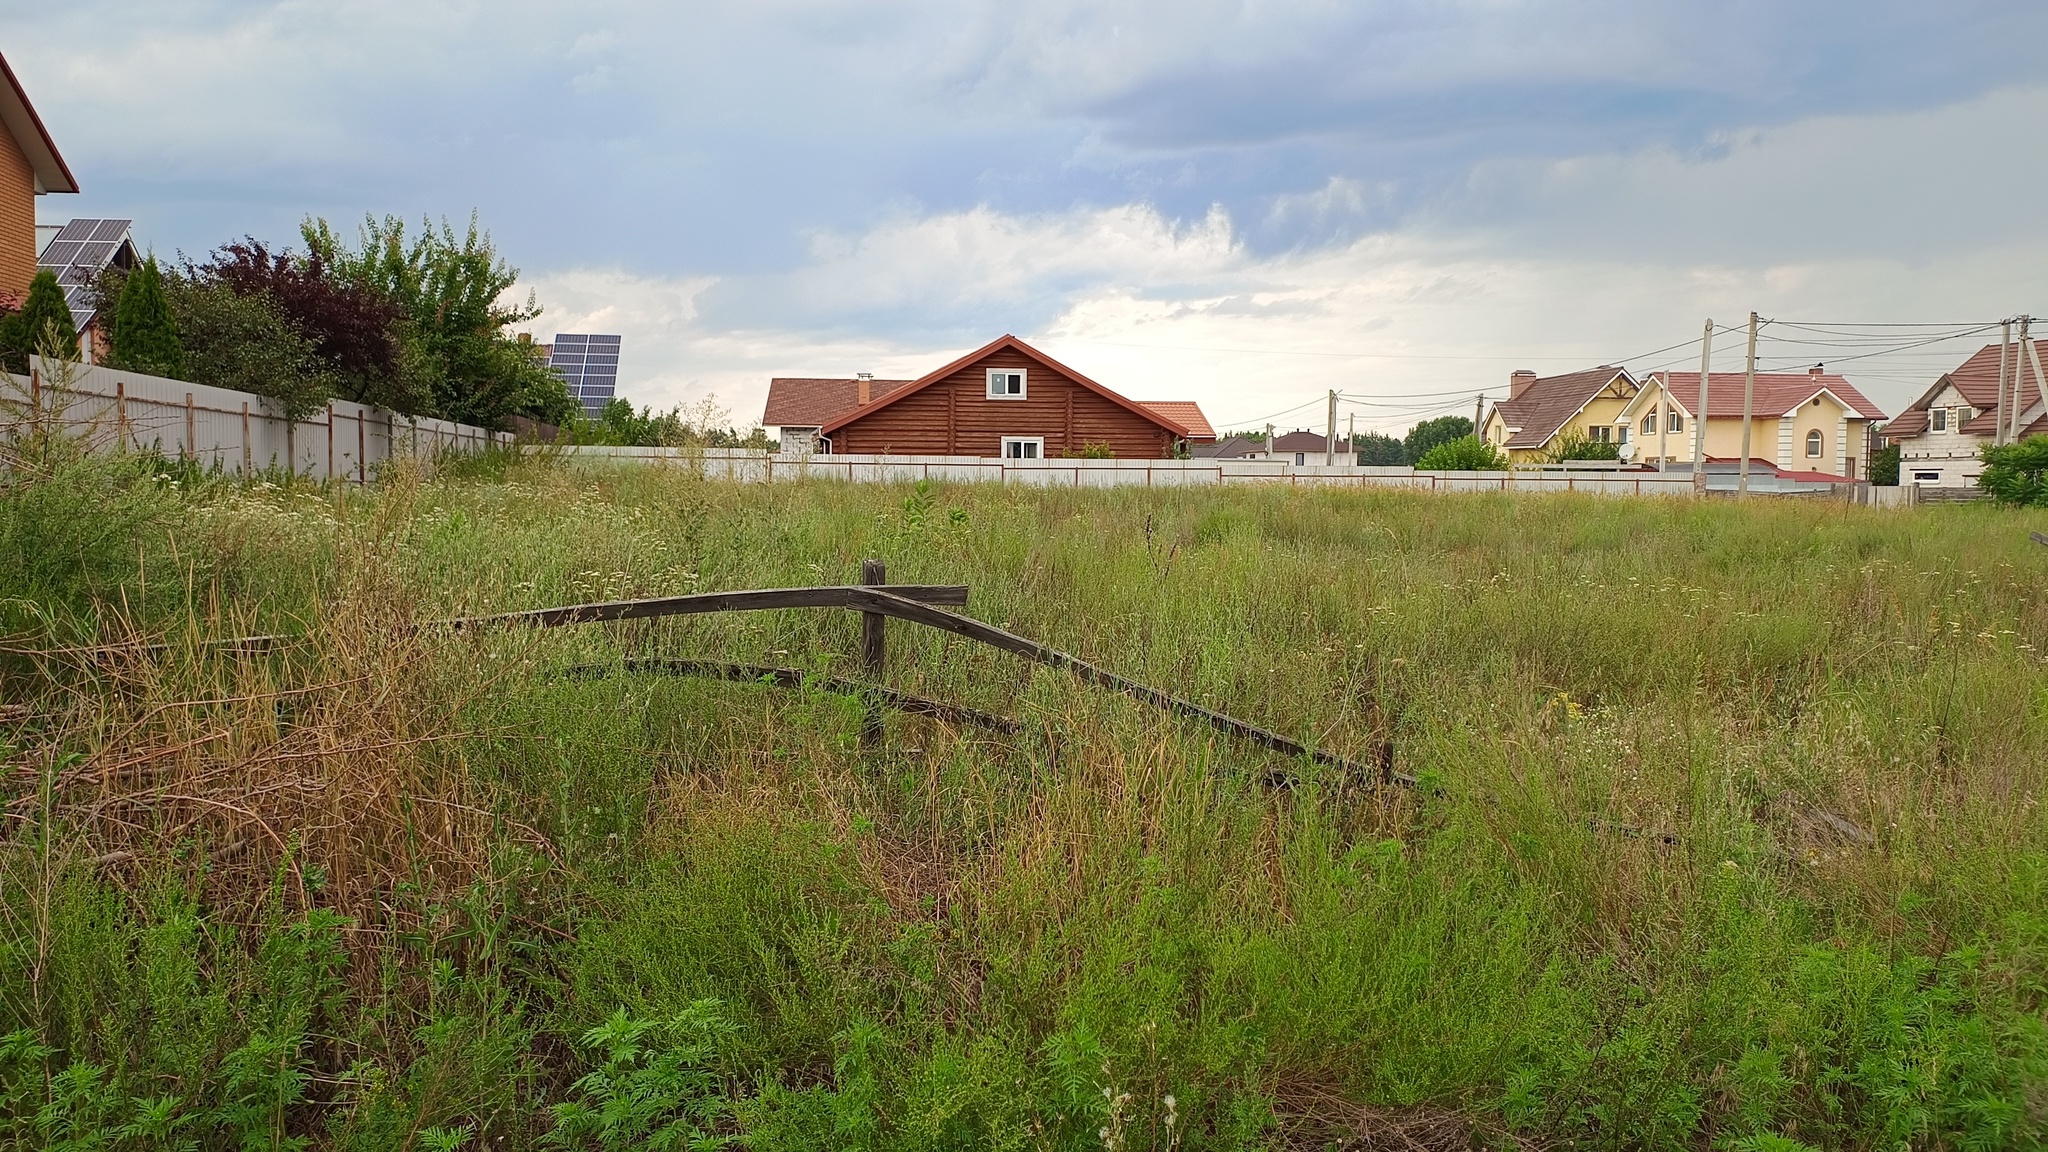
(29, 167)
(1007, 399)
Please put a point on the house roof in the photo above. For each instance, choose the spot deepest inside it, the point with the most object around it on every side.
(1187, 414)
(1305, 441)
(1977, 380)
(1228, 448)
(813, 402)
(1777, 393)
(1011, 343)
(1547, 403)
(19, 117)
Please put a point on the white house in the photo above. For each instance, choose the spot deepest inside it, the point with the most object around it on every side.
(1941, 434)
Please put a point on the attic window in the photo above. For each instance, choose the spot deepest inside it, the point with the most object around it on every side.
(1006, 383)
(1937, 419)
(1649, 424)
(1674, 421)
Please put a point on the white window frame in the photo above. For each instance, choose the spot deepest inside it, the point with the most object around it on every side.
(1035, 443)
(1937, 419)
(1650, 422)
(1816, 444)
(1674, 420)
(1023, 384)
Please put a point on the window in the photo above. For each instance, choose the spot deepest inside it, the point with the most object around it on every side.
(1650, 424)
(1937, 419)
(1813, 443)
(1023, 447)
(1600, 434)
(1927, 477)
(1300, 457)
(1674, 421)
(1006, 384)
(1963, 415)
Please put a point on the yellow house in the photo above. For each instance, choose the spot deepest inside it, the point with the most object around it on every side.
(1543, 413)
(1810, 421)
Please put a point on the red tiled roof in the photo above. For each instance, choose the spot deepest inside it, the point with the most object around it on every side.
(1185, 413)
(813, 402)
(1977, 380)
(1007, 341)
(1546, 403)
(1777, 393)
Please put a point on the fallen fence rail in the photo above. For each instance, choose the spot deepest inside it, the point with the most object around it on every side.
(908, 702)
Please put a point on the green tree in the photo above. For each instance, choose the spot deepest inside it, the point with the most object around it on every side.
(145, 337)
(454, 330)
(42, 327)
(2017, 473)
(248, 344)
(1379, 450)
(1430, 433)
(1464, 454)
(1884, 466)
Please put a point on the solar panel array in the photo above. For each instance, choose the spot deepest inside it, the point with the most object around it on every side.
(590, 365)
(78, 253)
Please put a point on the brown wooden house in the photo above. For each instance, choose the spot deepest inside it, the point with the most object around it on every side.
(1007, 399)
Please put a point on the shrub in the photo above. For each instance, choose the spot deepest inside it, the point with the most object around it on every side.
(1430, 433)
(246, 342)
(1379, 450)
(350, 325)
(1884, 466)
(1465, 454)
(2017, 473)
(656, 1087)
(42, 327)
(1578, 447)
(145, 334)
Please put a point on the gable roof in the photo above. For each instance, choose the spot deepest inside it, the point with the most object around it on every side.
(19, 117)
(1777, 394)
(1007, 341)
(1185, 412)
(813, 402)
(1302, 440)
(1229, 448)
(1977, 380)
(1548, 403)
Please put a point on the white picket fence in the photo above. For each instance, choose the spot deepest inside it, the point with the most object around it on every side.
(237, 432)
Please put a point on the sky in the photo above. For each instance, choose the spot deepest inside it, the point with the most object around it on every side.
(1245, 204)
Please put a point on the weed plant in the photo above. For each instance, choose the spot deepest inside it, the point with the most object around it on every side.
(1730, 835)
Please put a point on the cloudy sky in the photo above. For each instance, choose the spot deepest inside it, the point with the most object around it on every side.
(1242, 203)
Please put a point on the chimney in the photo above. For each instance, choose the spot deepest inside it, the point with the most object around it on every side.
(1519, 381)
(866, 387)
(1817, 370)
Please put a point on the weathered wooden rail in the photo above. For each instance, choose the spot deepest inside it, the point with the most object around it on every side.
(879, 602)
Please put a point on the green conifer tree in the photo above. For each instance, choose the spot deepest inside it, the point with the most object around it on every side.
(145, 335)
(44, 322)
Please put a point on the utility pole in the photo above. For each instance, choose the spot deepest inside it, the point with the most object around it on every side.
(1748, 410)
(1269, 441)
(2006, 413)
(1478, 413)
(2031, 355)
(1699, 415)
(1351, 436)
(1663, 425)
(1330, 440)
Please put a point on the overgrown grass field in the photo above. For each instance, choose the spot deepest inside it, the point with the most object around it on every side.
(1729, 832)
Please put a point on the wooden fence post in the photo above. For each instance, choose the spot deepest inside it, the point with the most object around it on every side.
(121, 411)
(191, 432)
(330, 439)
(873, 651)
(362, 447)
(248, 450)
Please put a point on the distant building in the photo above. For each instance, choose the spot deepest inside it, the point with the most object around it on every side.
(590, 366)
(1813, 421)
(77, 252)
(1544, 413)
(29, 167)
(1940, 434)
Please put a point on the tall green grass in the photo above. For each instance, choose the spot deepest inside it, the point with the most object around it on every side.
(1624, 913)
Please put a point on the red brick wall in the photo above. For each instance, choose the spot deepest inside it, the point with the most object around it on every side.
(17, 220)
(955, 417)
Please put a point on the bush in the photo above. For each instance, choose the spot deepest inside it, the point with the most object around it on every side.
(1884, 466)
(1465, 454)
(42, 327)
(145, 334)
(1578, 447)
(248, 343)
(1430, 433)
(2016, 473)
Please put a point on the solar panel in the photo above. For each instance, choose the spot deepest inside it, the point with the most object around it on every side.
(94, 254)
(111, 229)
(78, 230)
(59, 254)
